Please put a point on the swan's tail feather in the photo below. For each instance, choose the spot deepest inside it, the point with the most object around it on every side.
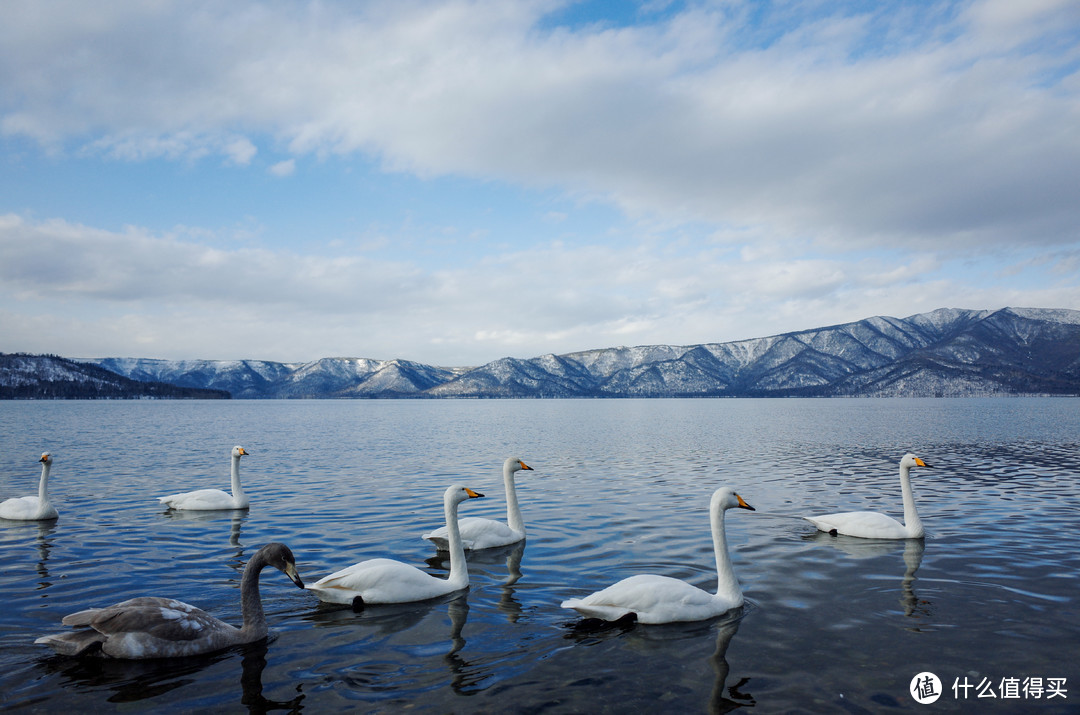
(80, 618)
(821, 525)
(441, 542)
(607, 613)
(83, 642)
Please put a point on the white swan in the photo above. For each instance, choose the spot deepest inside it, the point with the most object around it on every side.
(151, 627)
(389, 581)
(874, 525)
(37, 508)
(661, 599)
(207, 499)
(480, 533)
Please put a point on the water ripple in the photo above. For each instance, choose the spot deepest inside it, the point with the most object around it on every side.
(832, 624)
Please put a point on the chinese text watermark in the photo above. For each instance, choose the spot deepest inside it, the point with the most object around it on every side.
(926, 688)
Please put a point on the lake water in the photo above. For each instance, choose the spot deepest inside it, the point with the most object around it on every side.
(832, 624)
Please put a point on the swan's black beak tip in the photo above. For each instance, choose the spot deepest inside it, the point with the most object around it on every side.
(293, 574)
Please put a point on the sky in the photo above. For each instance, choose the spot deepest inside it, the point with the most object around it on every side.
(457, 181)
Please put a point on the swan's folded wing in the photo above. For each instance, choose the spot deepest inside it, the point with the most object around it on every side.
(86, 617)
(866, 524)
(655, 599)
(363, 576)
(200, 499)
(476, 533)
(488, 534)
(380, 581)
(162, 618)
(18, 508)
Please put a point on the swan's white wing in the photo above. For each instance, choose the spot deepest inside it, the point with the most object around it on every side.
(865, 524)
(379, 581)
(655, 599)
(26, 508)
(476, 533)
(202, 500)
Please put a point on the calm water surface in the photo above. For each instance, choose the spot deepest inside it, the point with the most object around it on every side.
(621, 487)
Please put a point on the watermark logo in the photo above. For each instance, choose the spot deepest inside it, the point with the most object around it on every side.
(925, 688)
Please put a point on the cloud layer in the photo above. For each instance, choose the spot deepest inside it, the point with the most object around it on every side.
(82, 291)
(782, 169)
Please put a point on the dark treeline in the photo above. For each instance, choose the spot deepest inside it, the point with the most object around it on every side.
(50, 377)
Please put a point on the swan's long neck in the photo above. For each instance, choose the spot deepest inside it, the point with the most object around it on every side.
(513, 511)
(727, 585)
(911, 517)
(250, 603)
(459, 571)
(237, 490)
(43, 485)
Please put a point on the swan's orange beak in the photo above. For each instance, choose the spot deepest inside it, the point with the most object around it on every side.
(44, 458)
(472, 494)
(244, 452)
(525, 466)
(921, 463)
(744, 505)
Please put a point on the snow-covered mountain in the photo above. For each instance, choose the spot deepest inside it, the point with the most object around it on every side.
(328, 377)
(945, 352)
(51, 377)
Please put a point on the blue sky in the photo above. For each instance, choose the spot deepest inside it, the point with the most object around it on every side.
(454, 182)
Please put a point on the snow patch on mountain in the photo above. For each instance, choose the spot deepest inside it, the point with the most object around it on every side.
(948, 351)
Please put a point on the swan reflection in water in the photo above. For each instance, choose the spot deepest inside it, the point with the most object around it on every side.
(722, 698)
(414, 627)
(858, 548)
(132, 681)
(19, 532)
(467, 678)
(489, 563)
(718, 703)
(236, 520)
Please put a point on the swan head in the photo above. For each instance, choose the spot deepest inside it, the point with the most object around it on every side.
(458, 493)
(725, 498)
(281, 557)
(46, 458)
(239, 451)
(910, 460)
(513, 464)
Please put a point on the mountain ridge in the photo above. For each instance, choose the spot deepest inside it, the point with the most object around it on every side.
(946, 352)
(53, 377)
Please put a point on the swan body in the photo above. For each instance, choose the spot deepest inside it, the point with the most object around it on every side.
(661, 599)
(151, 627)
(389, 581)
(479, 533)
(210, 499)
(874, 525)
(37, 508)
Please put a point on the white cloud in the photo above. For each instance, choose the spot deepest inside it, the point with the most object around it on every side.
(284, 168)
(82, 291)
(240, 151)
(817, 166)
(962, 133)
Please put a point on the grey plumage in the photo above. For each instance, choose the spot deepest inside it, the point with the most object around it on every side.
(152, 627)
